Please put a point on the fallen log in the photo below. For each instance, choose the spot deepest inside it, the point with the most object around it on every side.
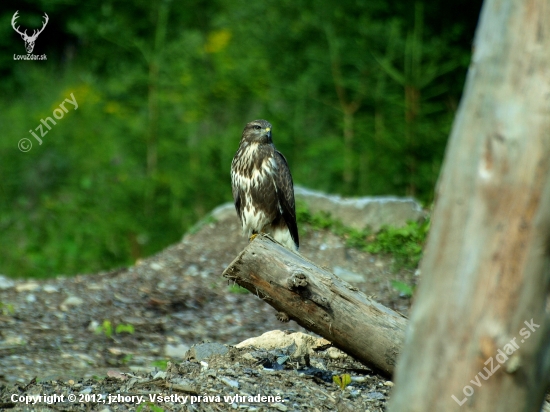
(320, 302)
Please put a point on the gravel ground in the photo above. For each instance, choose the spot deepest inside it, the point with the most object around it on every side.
(114, 333)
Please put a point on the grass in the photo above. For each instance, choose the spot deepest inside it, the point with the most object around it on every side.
(403, 243)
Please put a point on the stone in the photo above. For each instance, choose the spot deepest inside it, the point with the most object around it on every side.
(276, 339)
(156, 266)
(230, 382)
(27, 287)
(373, 211)
(175, 351)
(205, 350)
(347, 275)
(70, 301)
(375, 395)
(6, 283)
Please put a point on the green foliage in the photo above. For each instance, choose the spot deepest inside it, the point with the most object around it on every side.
(127, 359)
(106, 328)
(321, 220)
(403, 243)
(403, 288)
(361, 95)
(161, 364)
(234, 288)
(6, 308)
(342, 380)
(124, 328)
(149, 406)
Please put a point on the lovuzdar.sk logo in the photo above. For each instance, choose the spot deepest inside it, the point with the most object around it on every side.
(29, 40)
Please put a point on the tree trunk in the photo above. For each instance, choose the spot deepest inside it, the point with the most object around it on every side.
(320, 302)
(479, 333)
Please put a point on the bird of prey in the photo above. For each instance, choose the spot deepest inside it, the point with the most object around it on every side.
(262, 187)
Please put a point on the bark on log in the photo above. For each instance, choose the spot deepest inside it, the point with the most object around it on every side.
(320, 302)
(479, 337)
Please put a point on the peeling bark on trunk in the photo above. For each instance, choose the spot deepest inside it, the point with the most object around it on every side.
(479, 333)
(321, 302)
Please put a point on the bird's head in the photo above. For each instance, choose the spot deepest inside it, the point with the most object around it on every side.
(257, 131)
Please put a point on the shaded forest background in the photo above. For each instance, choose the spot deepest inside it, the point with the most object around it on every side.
(361, 94)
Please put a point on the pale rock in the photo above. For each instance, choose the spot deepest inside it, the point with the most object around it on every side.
(335, 353)
(230, 382)
(375, 211)
(276, 339)
(156, 266)
(6, 283)
(70, 301)
(27, 287)
(347, 275)
(175, 351)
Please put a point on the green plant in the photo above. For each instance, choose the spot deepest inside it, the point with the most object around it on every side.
(149, 405)
(403, 288)
(107, 329)
(125, 328)
(342, 380)
(234, 288)
(161, 364)
(127, 359)
(404, 243)
(6, 308)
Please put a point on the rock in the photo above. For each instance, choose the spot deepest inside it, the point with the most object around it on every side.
(363, 211)
(373, 211)
(50, 289)
(27, 287)
(30, 298)
(205, 350)
(6, 283)
(160, 375)
(175, 351)
(276, 339)
(92, 327)
(347, 275)
(156, 266)
(230, 382)
(335, 353)
(375, 395)
(225, 211)
(70, 301)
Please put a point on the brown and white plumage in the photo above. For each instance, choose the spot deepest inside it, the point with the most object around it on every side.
(262, 187)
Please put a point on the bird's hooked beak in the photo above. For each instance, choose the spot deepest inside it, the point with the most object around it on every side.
(268, 132)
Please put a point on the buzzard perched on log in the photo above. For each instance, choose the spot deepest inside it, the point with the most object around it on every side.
(262, 187)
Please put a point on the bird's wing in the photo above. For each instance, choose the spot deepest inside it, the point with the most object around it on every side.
(235, 189)
(285, 194)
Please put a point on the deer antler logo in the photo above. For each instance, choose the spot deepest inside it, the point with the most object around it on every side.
(29, 40)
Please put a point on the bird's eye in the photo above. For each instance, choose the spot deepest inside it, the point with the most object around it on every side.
(256, 127)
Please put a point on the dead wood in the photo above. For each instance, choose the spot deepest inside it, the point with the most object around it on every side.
(321, 302)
